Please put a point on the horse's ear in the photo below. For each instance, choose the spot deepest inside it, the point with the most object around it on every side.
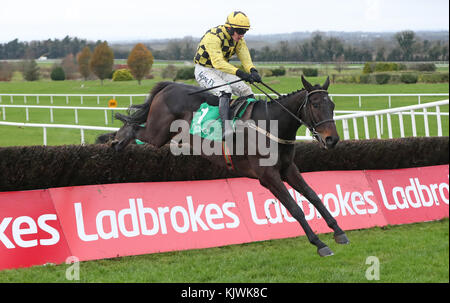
(326, 84)
(306, 84)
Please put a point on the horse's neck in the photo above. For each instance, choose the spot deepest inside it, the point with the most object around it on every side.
(294, 101)
(287, 125)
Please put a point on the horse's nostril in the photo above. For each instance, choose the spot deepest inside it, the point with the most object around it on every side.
(331, 141)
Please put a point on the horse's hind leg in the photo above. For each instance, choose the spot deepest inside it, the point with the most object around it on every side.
(294, 179)
(272, 181)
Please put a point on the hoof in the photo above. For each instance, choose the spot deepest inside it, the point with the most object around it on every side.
(341, 239)
(325, 252)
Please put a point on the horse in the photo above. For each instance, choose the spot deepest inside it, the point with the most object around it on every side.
(311, 106)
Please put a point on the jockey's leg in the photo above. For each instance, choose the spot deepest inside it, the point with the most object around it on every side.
(208, 77)
(224, 111)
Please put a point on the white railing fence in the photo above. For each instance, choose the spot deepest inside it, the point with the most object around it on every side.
(69, 97)
(389, 96)
(360, 121)
(129, 97)
(3, 108)
(44, 127)
(412, 111)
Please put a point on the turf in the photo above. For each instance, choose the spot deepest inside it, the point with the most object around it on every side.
(414, 253)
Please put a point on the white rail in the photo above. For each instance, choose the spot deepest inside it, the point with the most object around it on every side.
(400, 111)
(130, 96)
(389, 96)
(68, 96)
(51, 108)
(45, 126)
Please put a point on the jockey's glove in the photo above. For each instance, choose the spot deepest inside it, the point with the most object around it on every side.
(245, 76)
(255, 75)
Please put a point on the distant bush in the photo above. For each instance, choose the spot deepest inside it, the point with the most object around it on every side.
(58, 74)
(364, 79)
(31, 70)
(433, 77)
(393, 77)
(6, 71)
(369, 67)
(382, 78)
(424, 67)
(278, 71)
(170, 71)
(310, 72)
(409, 78)
(386, 67)
(122, 75)
(185, 73)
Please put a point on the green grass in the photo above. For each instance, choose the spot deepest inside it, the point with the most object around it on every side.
(414, 253)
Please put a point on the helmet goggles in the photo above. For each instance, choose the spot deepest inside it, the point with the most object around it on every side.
(240, 31)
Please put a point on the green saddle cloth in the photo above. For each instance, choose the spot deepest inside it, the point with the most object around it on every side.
(207, 124)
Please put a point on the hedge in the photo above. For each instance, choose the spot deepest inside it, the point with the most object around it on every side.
(37, 167)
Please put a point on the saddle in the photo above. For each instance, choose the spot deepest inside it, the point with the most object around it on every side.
(239, 105)
(206, 121)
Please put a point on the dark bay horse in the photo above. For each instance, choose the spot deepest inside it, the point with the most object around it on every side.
(169, 102)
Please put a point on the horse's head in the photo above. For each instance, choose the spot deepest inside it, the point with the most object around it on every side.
(317, 112)
(125, 134)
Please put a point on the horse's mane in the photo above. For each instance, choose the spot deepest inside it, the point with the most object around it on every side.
(282, 97)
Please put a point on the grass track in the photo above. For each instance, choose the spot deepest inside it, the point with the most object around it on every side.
(415, 253)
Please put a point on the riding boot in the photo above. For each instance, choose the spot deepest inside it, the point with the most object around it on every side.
(224, 111)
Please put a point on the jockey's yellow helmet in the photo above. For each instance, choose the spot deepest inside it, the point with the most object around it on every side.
(238, 19)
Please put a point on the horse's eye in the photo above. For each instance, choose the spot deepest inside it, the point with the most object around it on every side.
(315, 105)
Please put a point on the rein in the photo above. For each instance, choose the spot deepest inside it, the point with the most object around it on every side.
(312, 128)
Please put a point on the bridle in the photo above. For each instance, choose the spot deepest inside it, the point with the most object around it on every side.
(312, 127)
(314, 124)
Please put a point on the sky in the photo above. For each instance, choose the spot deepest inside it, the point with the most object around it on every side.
(118, 20)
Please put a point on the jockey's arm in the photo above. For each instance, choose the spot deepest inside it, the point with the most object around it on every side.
(244, 56)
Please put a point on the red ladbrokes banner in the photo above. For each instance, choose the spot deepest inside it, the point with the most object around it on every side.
(104, 221)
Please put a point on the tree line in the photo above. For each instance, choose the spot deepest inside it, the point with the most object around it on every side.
(99, 62)
(405, 46)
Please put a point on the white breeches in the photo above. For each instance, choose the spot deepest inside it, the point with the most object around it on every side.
(209, 77)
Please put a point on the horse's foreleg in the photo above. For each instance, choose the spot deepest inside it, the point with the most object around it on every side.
(293, 177)
(272, 181)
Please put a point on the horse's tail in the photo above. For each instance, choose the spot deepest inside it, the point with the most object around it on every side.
(137, 114)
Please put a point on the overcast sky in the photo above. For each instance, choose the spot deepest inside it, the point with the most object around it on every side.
(148, 19)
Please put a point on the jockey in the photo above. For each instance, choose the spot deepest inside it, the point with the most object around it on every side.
(212, 68)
